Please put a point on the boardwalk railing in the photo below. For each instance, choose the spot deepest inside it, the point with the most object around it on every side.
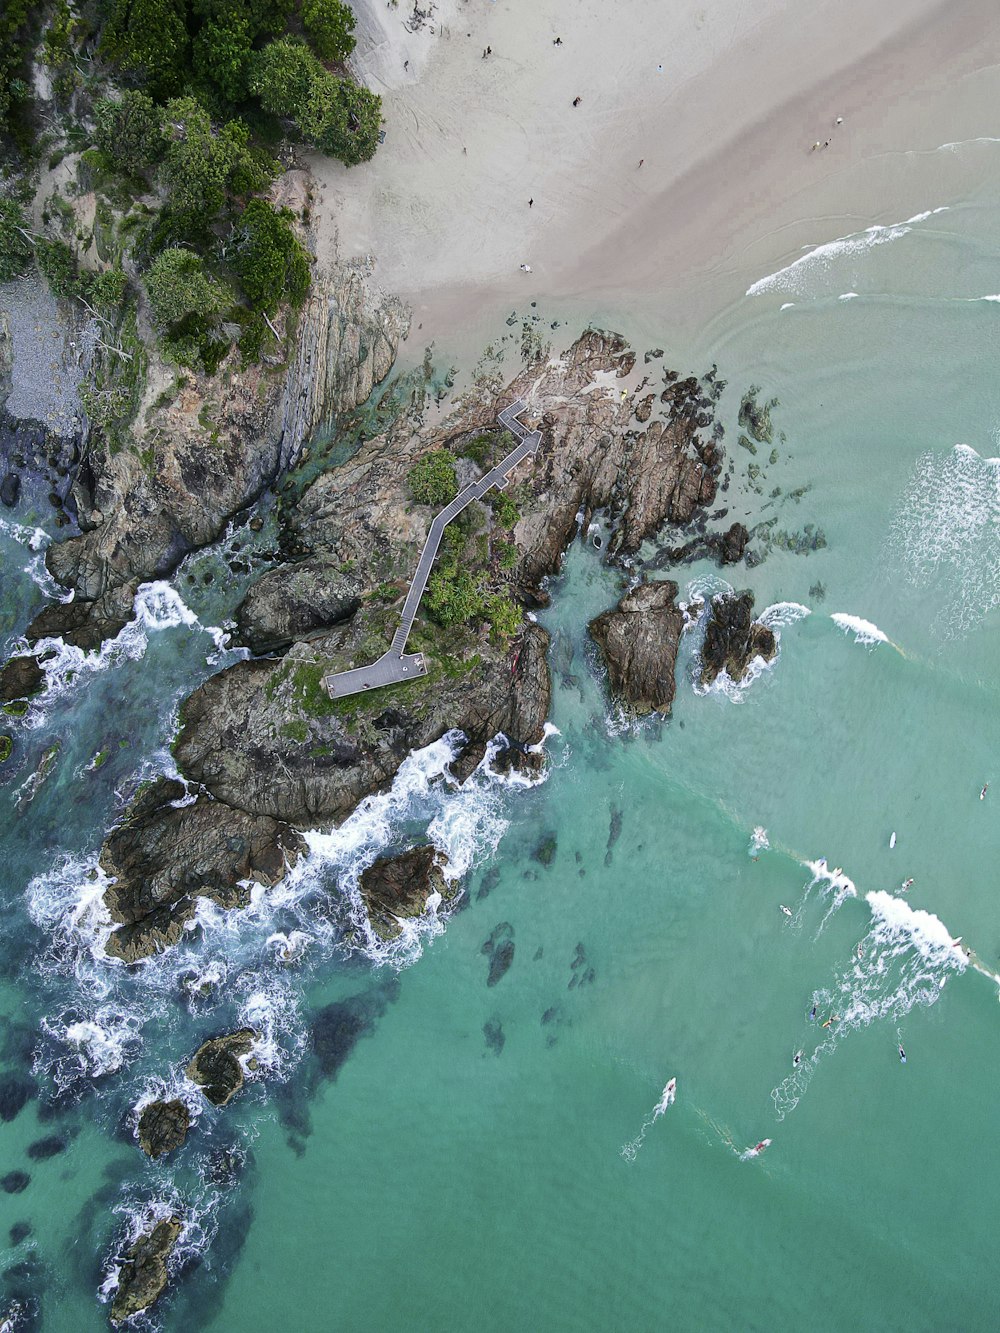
(396, 664)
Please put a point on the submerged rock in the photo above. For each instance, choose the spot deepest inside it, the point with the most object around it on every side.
(500, 960)
(15, 1182)
(163, 1126)
(399, 886)
(733, 638)
(50, 1146)
(20, 678)
(15, 1091)
(216, 1068)
(638, 641)
(144, 1273)
(165, 856)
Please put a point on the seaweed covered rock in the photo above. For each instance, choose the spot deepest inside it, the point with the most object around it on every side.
(638, 640)
(164, 856)
(216, 1068)
(399, 886)
(733, 638)
(163, 1126)
(144, 1274)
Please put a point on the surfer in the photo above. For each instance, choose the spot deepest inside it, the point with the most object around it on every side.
(906, 884)
(787, 910)
(902, 1056)
(861, 950)
(982, 794)
(812, 1014)
(834, 1018)
(758, 1148)
(796, 1059)
(892, 839)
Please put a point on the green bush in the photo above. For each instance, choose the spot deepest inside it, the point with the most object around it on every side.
(222, 51)
(454, 596)
(107, 290)
(16, 249)
(432, 480)
(150, 38)
(268, 258)
(504, 614)
(129, 132)
(329, 26)
(179, 287)
(342, 119)
(505, 511)
(58, 266)
(480, 450)
(507, 555)
(281, 75)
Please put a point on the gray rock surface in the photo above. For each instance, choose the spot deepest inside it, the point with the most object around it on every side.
(163, 1127)
(638, 640)
(143, 1275)
(216, 1068)
(733, 638)
(399, 886)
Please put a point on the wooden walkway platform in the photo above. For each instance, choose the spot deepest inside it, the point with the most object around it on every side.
(396, 664)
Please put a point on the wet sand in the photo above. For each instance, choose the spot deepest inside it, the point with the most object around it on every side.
(729, 186)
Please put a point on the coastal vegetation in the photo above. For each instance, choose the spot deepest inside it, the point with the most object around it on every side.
(142, 142)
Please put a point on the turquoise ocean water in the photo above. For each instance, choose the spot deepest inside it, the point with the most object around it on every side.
(427, 1152)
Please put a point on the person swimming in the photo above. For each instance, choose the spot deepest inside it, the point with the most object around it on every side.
(902, 1056)
(982, 794)
(906, 884)
(812, 1014)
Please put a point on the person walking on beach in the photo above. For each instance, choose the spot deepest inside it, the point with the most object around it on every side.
(557, 42)
(641, 160)
(530, 202)
(577, 101)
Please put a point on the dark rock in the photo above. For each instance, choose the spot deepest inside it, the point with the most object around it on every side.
(287, 605)
(545, 852)
(10, 489)
(224, 1166)
(493, 1032)
(337, 1028)
(14, 1182)
(15, 1091)
(216, 1068)
(50, 1146)
(639, 641)
(19, 1231)
(163, 1126)
(20, 677)
(614, 833)
(579, 957)
(398, 886)
(500, 960)
(551, 1015)
(143, 1276)
(733, 638)
(78, 623)
(734, 543)
(500, 932)
(163, 857)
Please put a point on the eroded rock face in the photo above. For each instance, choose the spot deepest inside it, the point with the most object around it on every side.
(20, 678)
(733, 638)
(286, 605)
(397, 886)
(164, 856)
(144, 1275)
(216, 1068)
(163, 1126)
(638, 641)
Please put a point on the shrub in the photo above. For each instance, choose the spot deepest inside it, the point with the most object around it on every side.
(201, 166)
(432, 480)
(505, 511)
(454, 596)
(479, 450)
(58, 265)
(268, 258)
(342, 118)
(281, 75)
(504, 614)
(149, 37)
(129, 132)
(328, 26)
(178, 287)
(16, 248)
(222, 51)
(107, 290)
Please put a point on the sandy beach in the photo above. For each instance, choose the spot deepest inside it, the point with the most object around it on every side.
(721, 106)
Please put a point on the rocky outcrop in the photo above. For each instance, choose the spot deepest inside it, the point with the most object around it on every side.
(287, 605)
(733, 638)
(638, 641)
(210, 448)
(143, 1275)
(399, 886)
(262, 738)
(82, 624)
(163, 1126)
(164, 856)
(20, 678)
(216, 1067)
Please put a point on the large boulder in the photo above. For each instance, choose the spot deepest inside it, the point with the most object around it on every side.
(20, 677)
(638, 641)
(164, 856)
(163, 1126)
(215, 1065)
(733, 639)
(399, 886)
(286, 605)
(144, 1274)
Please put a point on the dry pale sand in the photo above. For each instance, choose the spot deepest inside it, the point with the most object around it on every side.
(729, 187)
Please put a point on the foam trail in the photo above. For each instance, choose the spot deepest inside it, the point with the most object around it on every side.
(667, 1098)
(788, 279)
(864, 631)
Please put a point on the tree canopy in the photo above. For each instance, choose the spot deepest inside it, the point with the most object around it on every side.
(129, 132)
(268, 258)
(178, 287)
(329, 26)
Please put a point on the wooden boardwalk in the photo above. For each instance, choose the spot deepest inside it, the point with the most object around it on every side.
(396, 664)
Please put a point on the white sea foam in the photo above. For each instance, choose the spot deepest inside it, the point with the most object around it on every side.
(779, 614)
(847, 296)
(667, 1098)
(863, 630)
(904, 960)
(945, 535)
(758, 841)
(821, 260)
(89, 1046)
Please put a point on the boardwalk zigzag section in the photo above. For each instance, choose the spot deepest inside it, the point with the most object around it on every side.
(396, 664)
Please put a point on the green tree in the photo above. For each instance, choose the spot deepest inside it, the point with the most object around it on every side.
(454, 597)
(282, 75)
(16, 248)
(129, 132)
(179, 287)
(15, 50)
(200, 166)
(432, 480)
(342, 119)
(329, 27)
(504, 614)
(505, 511)
(222, 51)
(268, 258)
(151, 38)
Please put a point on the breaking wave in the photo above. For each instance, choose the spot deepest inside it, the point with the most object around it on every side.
(864, 631)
